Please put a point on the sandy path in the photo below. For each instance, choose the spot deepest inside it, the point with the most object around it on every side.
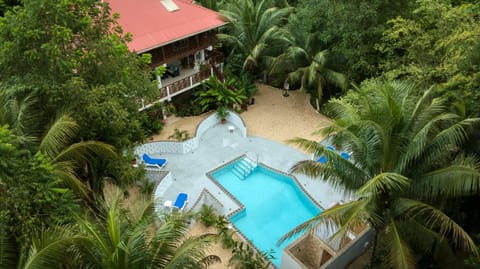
(272, 116)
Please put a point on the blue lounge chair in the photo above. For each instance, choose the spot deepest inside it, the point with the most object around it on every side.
(149, 161)
(181, 201)
(322, 158)
(345, 155)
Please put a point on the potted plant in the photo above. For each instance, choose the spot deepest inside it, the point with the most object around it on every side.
(222, 114)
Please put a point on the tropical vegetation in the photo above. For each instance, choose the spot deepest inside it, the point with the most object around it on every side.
(405, 163)
(69, 99)
(224, 95)
(122, 237)
(253, 30)
(304, 62)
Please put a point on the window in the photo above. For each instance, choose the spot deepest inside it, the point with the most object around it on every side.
(169, 5)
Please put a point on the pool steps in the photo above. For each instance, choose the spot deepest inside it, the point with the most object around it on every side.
(243, 168)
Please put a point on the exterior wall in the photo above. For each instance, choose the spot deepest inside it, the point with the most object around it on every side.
(237, 121)
(351, 251)
(208, 199)
(342, 258)
(155, 175)
(182, 48)
(155, 148)
(160, 190)
(289, 262)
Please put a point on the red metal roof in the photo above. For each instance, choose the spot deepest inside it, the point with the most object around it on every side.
(153, 26)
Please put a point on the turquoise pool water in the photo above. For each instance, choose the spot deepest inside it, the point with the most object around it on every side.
(274, 205)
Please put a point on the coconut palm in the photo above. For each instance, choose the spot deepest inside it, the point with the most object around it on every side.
(253, 29)
(304, 61)
(124, 238)
(405, 159)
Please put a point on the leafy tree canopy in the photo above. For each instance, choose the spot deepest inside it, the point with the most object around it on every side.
(31, 195)
(73, 52)
(438, 45)
(349, 29)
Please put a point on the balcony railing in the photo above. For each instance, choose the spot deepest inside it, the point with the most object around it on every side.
(184, 83)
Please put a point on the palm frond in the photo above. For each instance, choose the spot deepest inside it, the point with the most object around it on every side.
(400, 254)
(423, 238)
(341, 109)
(98, 241)
(308, 145)
(339, 220)
(168, 236)
(66, 171)
(58, 136)
(446, 141)
(460, 178)
(384, 183)
(211, 259)
(8, 250)
(418, 141)
(50, 248)
(435, 219)
(83, 152)
(191, 252)
(336, 78)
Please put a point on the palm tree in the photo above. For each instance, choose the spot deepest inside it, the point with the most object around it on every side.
(306, 62)
(124, 238)
(55, 138)
(253, 28)
(405, 159)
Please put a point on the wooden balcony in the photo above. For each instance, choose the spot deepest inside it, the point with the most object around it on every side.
(188, 79)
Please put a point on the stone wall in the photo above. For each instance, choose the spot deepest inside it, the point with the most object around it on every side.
(158, 147)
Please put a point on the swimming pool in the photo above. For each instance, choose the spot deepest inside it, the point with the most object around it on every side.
(273, 204)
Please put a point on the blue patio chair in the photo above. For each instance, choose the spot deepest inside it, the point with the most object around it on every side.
(181, 201)
(153, 162)
(322, 158)
(345, 155)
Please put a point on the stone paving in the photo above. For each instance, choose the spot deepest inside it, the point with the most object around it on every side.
(218, 146)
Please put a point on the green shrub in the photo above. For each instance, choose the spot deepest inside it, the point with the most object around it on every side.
(189, 108)
(180, 135)
(226, 235)
(207, 215)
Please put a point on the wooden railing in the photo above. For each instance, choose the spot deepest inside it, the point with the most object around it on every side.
(183, 83)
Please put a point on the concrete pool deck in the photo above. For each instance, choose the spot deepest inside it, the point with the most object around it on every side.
(217, 146)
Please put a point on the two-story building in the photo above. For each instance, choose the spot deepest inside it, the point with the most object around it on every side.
(179, 35)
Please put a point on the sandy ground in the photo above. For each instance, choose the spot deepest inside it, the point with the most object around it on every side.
(272, 116)
(215, 249)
